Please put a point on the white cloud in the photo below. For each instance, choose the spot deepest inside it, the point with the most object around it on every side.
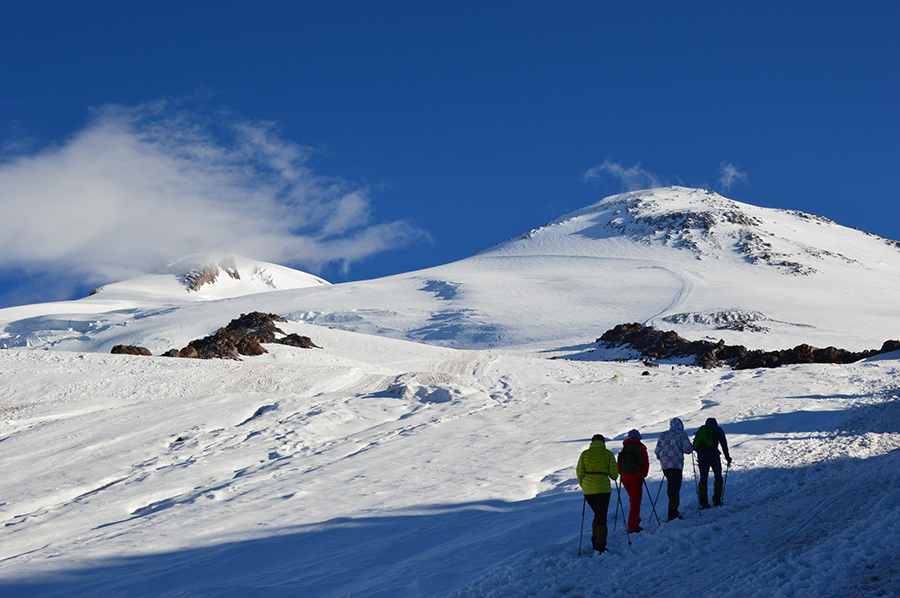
(633, 178)
(139, 186)
(729, 175)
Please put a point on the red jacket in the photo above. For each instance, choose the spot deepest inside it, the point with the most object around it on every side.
(645, 466)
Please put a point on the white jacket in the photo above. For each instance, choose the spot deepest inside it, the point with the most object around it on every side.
(673, 445)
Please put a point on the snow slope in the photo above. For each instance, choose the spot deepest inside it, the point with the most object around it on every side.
(203, 277)
(193, 279)
(434, 455)
(681, 259)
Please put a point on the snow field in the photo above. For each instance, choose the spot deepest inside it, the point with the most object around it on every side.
(815, 514)
(384, 468)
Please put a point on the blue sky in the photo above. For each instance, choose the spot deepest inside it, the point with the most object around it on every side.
(361, 139)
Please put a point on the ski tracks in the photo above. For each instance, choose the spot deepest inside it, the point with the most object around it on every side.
(685, 289)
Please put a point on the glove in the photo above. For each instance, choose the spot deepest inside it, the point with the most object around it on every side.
(728, 460)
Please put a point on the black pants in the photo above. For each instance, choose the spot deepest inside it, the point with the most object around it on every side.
(673, 490)
(599, 505)
(673, 481)
(707, 460)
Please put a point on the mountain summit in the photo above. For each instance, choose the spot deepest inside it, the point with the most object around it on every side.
(210, 276)
(707, 226)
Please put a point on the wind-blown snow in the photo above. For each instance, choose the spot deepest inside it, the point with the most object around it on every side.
(434, 455)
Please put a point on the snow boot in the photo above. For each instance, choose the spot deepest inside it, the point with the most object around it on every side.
(598, 539)
(717, 493)
(674, 502)
(704, 496)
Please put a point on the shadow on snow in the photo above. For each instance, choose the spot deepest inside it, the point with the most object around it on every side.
(819, 526)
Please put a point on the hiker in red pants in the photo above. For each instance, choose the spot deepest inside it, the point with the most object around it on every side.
(634, 465)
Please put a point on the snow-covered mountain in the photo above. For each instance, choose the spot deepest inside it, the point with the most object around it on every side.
(709, 227)
(199, 278)
(719, 267)
(203, 277)
(434, 455)
(682, 259)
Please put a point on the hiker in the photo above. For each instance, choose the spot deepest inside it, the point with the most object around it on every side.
(672, 446)
(595, 467)
(707, 442)
(634, 464)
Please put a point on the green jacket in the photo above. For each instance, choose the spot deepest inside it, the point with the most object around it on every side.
(595, 468)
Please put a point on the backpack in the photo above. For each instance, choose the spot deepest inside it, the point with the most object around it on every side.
(630, 458)
(704, 440)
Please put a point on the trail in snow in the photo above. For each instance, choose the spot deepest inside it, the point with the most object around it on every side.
(681, 296)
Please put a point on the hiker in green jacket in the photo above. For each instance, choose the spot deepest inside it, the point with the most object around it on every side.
(595, 467)
(707, 441)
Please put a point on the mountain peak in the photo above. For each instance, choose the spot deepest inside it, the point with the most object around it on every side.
(212, 276)
(194, 273)
(704, 224)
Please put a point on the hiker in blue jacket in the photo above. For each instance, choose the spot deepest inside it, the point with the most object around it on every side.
(671, 447)
(707, 442)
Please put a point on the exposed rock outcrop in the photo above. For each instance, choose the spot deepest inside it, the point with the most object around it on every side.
(203, 274)
(129, 350)
(658, 344)
(242, 336)
(295, 340)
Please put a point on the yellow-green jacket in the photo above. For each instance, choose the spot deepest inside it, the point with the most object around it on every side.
(595, 467)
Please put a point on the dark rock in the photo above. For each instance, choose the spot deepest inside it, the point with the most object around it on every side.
(295, 340)
(189, 352)
(248, 346)
(171, 353)
(243, 336)
(256, 325)
(890, 346)
(217, 346)
(130, 350)
(208, 273)
(657, 344)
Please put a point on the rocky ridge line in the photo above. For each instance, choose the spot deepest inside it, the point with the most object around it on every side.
(655, 344)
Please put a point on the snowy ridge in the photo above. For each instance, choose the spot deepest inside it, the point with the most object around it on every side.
(211, 276)
(707, 225)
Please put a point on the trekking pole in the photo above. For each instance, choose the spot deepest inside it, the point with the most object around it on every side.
(658, 490)
(616, 518)
(581, 535)
(696, 487)
(619, 498)
(652, 504)
(725, 482)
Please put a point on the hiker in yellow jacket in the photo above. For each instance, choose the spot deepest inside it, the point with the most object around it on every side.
(596, 466)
